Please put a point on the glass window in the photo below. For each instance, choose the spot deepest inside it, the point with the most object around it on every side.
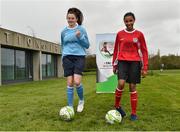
(49, 72)
(15, 65)
(48, 65)
(43, 65)
(20, 65)
(7, 64)
(29, 65)
(53, 65)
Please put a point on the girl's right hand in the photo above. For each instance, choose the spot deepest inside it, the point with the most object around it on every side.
(78, 33)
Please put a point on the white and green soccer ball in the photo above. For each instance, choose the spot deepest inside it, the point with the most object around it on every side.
(113, 116)
(66, 113)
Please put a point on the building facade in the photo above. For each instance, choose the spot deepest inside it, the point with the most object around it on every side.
(26, 58)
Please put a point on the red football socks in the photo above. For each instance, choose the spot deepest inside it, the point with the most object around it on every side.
(118, 94)
(134, 99)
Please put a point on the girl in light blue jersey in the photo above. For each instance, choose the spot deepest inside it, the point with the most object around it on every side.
(74, 41)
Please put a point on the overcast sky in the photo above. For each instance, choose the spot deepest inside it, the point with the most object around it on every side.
(159, 20)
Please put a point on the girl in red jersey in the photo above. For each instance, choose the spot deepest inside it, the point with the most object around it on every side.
(127, 62)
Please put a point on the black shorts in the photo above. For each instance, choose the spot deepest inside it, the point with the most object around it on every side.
(73, 64)
(129, 71)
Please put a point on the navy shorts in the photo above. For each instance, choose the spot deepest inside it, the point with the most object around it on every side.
(129, 71)
(73, 64)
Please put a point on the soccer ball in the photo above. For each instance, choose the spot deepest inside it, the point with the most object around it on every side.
(66, 113)
(113, 116)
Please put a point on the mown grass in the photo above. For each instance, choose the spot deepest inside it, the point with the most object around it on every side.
(35, 105)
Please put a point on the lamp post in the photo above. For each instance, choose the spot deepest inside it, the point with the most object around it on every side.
(32, 30)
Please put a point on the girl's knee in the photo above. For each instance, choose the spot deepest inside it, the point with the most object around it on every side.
(70, 83)
(132, 87)
(77, 83)
(121, 86)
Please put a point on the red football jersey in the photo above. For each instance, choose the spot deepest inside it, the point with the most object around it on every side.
(127, 47)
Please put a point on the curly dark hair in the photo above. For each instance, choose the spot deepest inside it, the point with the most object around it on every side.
(129, 14)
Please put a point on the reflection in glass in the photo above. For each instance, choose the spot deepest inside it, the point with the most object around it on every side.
(7, 64)
(20, 65)
(15, 65)
(48, 65)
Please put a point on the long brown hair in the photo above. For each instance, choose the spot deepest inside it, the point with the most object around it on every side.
(77, 13)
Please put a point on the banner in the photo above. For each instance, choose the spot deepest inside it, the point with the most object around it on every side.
(106, 81)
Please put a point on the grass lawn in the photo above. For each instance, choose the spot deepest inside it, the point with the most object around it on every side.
(35, 105)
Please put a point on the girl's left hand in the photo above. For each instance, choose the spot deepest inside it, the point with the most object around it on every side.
(78, 33)
(143, 73)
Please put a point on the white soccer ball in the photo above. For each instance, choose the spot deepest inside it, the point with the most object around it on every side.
(113, 116)
(66, 113)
